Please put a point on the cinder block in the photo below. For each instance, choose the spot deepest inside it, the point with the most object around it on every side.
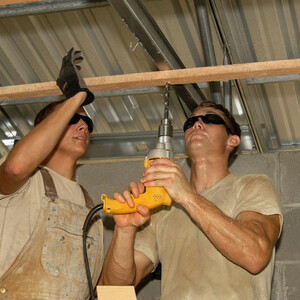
(289, 244)
(149, 291)
(108, 177)
(277, 282)
(286, 282)
(289, 177)
(292, 281)
(267, 164)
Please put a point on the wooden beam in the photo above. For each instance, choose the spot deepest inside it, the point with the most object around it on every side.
(160, 78)
(8, 2)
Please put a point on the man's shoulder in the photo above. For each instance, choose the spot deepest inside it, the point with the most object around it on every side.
(252, 178)
(241, 182)
(32, 188)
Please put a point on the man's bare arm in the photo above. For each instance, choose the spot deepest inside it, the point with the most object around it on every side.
(123, 265)
(35, 147)
(248, 240)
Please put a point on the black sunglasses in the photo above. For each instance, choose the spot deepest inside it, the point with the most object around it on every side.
(207, 119)
(88, 121)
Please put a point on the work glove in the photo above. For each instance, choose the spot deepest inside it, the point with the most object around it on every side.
(69, 79)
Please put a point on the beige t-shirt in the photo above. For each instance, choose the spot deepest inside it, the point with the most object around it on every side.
(19, 212)
(192, 268)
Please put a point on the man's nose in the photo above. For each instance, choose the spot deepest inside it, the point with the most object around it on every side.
(82, 126)
(198, 123)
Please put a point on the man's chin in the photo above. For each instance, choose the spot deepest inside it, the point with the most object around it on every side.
(79, 152)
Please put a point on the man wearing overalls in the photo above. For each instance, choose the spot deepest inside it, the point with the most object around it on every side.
(43, 208)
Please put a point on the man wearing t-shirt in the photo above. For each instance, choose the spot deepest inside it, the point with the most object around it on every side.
(43, 208)
(217, 240)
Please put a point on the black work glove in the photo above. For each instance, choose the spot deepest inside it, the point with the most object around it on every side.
(69, 79)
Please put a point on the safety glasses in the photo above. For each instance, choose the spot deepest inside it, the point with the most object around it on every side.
(88, 121)
(207, 119)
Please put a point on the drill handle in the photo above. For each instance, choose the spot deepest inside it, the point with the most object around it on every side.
(153, 197)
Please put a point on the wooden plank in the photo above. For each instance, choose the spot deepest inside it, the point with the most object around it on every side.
(160, 78)
(8, 2)
(116, 292)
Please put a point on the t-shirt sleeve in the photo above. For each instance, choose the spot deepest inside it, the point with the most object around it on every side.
(257, 193)
(145, 242)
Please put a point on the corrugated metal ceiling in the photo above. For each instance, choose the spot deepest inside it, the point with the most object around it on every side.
(122, 37)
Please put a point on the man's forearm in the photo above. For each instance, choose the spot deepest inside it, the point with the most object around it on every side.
(39, 143)
(119, 266)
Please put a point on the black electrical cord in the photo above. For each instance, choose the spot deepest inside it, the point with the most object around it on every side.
(84, 235)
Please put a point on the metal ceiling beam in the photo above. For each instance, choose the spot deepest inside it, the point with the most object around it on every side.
(137, 145)
(46, 6)
(9, 123)
(134, 144)
(208, 47)
(224, 33)
(147, 32)
(227, 85)
(3, 149)
(274, 79)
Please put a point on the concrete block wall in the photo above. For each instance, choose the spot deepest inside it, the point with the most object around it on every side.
(283, 169)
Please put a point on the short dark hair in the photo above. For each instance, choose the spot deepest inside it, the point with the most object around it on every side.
(229, 119)
(46, 111)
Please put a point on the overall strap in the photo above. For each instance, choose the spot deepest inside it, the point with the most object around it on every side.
(88, 200)
(50, 190)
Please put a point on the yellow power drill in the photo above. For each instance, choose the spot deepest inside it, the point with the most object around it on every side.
(153, 196)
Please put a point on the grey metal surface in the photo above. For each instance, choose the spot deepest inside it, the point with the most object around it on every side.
(35, 36)
(140, 22)
(208, 47)
(262, 31)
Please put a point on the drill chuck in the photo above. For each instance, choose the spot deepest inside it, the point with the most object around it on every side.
(165, 128)
(164, 146)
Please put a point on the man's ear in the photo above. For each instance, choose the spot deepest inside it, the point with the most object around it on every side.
(233, 141)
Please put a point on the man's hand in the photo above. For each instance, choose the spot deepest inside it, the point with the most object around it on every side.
(134, 219)
(69, 79)
(165, 172)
